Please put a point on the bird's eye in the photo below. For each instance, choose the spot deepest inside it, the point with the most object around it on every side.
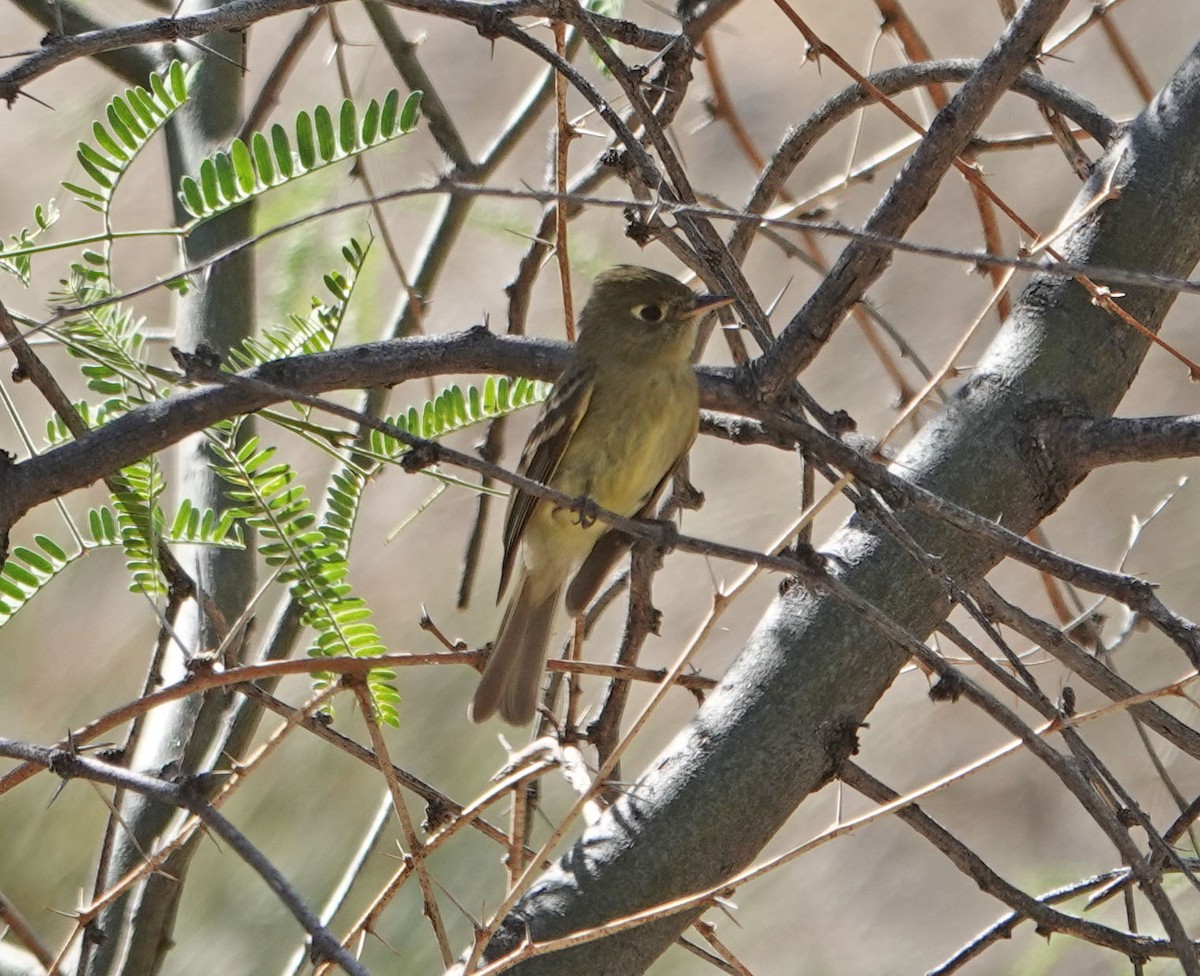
(648, 313)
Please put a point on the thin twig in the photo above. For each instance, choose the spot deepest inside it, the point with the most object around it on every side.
(281, 70)
(1024, 906)
(416, 848)
(189, 796)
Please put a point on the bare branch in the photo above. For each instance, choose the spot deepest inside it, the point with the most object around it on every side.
(132, 65)
(1025, 906)
(190, 795)
(1120, 440)
(241, 14)
(948, 136)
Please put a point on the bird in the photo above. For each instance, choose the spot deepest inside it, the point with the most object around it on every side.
(614, 429)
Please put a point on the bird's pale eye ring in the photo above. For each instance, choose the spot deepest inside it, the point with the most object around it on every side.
(649, 312)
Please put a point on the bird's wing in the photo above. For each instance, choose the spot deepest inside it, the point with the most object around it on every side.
(561, 414)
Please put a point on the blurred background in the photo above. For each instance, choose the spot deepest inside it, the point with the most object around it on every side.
(879, 900)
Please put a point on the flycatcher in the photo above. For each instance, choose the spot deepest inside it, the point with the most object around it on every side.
(614, 429)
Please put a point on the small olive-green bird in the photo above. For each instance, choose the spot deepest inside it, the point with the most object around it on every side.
(614, 429)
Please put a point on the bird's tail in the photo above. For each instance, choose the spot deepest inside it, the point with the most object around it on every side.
(513, 674)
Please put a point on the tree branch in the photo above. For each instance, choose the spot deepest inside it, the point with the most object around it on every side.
(1119, 440)
(189, 795)
(948, 136)
(774, 730)
(132, 65)
(801, 138)
(240, 14)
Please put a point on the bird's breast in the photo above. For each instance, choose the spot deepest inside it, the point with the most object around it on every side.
(634, 432)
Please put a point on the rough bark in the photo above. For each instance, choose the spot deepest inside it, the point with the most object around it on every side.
(784, 716)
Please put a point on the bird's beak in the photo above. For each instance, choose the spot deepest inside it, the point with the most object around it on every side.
(708, 303)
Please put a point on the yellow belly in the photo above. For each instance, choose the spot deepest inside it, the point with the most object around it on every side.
(619, 469)
(627, 455)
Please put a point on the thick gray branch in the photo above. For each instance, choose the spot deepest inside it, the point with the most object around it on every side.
(159, 425)
(241, 14)
(784, 716)
(1118, 440)
(131, 64)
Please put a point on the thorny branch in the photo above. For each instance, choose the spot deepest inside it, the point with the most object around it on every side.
(661, 186)
(190, 796)
(238, 15)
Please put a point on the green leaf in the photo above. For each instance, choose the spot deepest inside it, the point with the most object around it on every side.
(132, 118)
(225, 178)
(193, 200)
(336, 285)
(32, 559)
(208, 183)
(81, 191)
(323, 122)
(51, 547)
(283, 151)
(21, 575)
(387, 119)
(93, 161)
(10, 589)
(305, 146)
(318, 140)
(178, 81)
(370, 123)
(411, 111)
(143, 106)
(129, 122)
(107, 142)
(182, 517)
(263, 161)
(46, 217)
(161, 96)
(316, 332)
(243, 167)
(348, 127)
(101, 525)
(119, 126)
